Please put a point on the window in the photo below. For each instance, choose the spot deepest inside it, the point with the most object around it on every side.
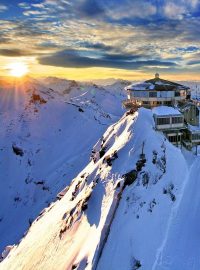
(177, 94)
(168, 103)
(174, 138)
(163, 121)
(140, 93)
(195, 136)
(146, 102)
(177, 120)
(152, 94)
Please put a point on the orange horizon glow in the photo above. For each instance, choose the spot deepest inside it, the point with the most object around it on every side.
(20, 67)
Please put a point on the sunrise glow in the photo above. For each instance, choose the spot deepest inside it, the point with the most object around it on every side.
(17, 69)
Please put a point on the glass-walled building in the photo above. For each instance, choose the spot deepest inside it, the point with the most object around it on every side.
(156, 92)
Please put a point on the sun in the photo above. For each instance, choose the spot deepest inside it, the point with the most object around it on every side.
(17, 69)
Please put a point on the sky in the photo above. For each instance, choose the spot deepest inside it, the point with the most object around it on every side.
(98, 39)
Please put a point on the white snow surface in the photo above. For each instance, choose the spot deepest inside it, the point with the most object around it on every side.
(140, 86)
(194, 128)
(165, 110)
(101, 223)
(56, 138)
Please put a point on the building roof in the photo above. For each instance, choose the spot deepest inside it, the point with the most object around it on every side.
(140, 87)
(194, 129)
(165, 110)
(157, 84)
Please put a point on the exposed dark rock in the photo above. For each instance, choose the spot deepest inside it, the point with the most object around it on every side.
(107, 159)
(110, 158)
(168, 190)
(102, 152)
(173, 197)
(164, 191)
(39, 182)
(137, 265)
(28, 179)
(80, 110)
(131, 111)
(62, 231)
(36, 98)
(45, 188)
(155, 154)
(84, 207)
(145, 179)
(17, 199)
(29, 162)
(17, 150)
(118, 185)
(130, 177)
(115, 155)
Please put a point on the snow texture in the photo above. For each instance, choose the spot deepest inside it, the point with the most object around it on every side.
(134, 205)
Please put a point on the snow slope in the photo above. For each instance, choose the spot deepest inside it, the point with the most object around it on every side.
(182, 237)
(47, 131)
(122, 211)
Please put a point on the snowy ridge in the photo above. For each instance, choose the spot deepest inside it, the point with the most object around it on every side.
(122, 202)
(41, 149)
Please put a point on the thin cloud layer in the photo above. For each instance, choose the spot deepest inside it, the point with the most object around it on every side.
(119, 34)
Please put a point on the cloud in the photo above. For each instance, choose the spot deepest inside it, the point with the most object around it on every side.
(29, 29)
(40, 5)
(14, 52)
(131, 10)
(76, 59)
(34, 12)
(3, 8)
(96, 46)
(24, 5)
(179, 9)
(194, 62)
(174, 11)
(4, 40)
(47, 45)
(116, 33)
(189, 49)
(193, 59)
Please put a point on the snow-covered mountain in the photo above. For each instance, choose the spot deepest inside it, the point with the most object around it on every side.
(134, 205)
(47, 131)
